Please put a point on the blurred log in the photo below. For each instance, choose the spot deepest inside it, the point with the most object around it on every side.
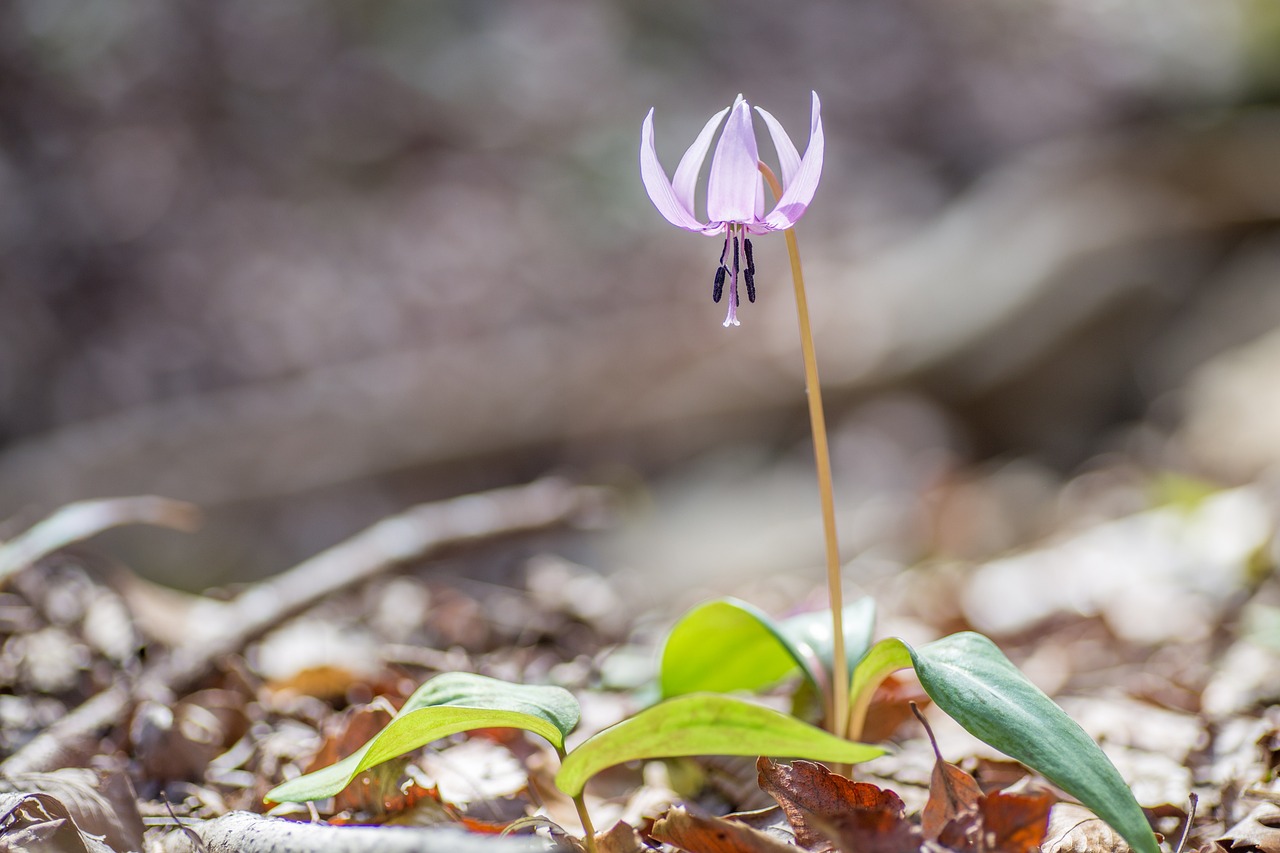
(1033, 252)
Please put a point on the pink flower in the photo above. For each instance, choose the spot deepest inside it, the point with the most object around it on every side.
(735, 188)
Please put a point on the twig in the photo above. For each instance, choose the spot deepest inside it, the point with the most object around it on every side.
(242, 832)
(78, 521)
(229, 627)
(1193, 800)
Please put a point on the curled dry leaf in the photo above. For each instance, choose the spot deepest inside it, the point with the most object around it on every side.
(40, 823)
(1258, 831)
(1001, 823)
(1015, 823)
(620, 838)
(819, 803)
(704, 834)
(374, 790)
(952, 792)
(102, 805)
(1075, 829)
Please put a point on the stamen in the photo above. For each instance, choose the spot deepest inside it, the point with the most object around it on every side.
(735, 256)
(717, 290)
(750, 276)
(751, 261)
(724, 251)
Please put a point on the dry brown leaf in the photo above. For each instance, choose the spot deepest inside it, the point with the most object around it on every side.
(1015, 823)
(702, 834)
(1001, 823)
(1075, 829)
(870, 832)
(891, 707)
(374, 790)
(40, 823)
(952, 793)
(1259, 830)
(620, 838)
(815, 800)
(98, 804)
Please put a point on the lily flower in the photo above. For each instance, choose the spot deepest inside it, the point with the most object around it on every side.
(735, 188)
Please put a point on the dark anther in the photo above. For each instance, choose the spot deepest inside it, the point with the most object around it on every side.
(718, 290)
(751, 261)
(750, 276)
(735, 258)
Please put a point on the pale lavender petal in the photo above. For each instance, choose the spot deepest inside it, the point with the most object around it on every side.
(686, 176)
(796, 197)
(788, 157)
(731, 189)
(659, 188)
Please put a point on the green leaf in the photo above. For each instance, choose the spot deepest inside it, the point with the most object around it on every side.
(729, 645)
(970, 679)
(447, 704)
(705, 724)
(813, 630)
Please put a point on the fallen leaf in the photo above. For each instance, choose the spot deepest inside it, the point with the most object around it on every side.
(891, 707)
(374, 790)
(870, 832)
(1014, 823)
(620, 838)
(1075, 829)
(810, 795)
(703, 834)
(39, 823)
(1259, 830)
(101, 805)
(952, 792)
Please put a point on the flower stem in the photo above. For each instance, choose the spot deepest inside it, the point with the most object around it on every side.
(838, 717)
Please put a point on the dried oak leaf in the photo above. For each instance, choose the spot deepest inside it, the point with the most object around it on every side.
(1075, 829)
(100, 806)
(620, 838)
(1002, 822)
(375, 790)
(1259, 830)
(952, 793)
(703, 834)
(822, 805)
(1015, 823)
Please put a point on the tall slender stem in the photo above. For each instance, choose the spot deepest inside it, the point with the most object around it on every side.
(839, 710)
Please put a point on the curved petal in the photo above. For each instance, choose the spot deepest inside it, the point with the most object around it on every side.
(686, 176)
(788, 157)
(731, 189)
(659, 188)
(796, 197)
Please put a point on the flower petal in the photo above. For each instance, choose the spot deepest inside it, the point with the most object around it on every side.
(796, 197)
(731, 188)
(788, 157)
(659, 188)
(686, 177)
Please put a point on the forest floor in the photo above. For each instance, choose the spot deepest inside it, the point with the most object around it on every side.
(137, 718)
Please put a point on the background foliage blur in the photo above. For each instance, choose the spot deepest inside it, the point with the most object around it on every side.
(306, 261)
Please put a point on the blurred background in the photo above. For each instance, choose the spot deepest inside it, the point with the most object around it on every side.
(307, 262)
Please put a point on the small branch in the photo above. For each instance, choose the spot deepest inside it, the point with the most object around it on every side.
(242, 832)
(228, 627)
(1193, 800)
(83, 519)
